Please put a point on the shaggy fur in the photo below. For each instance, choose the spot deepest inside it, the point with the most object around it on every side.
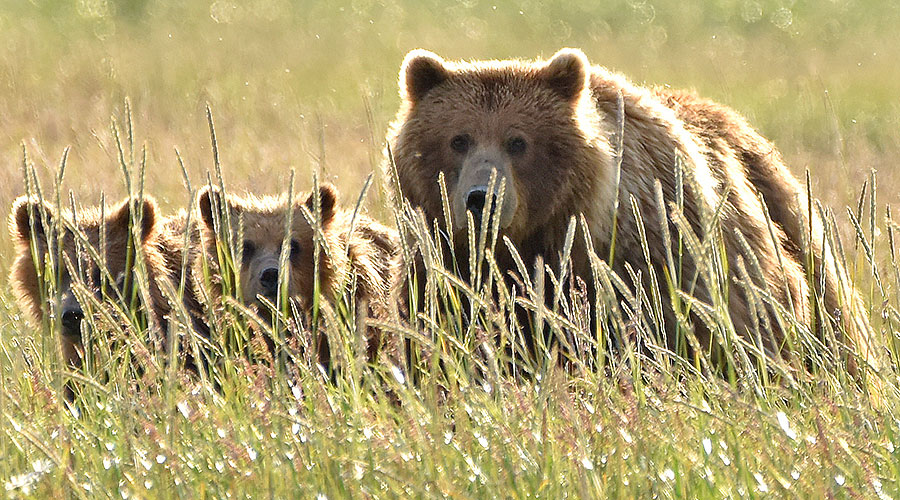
(369, 251)
(33, 224)
(549, 129)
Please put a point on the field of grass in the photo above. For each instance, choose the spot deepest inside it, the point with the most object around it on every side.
(310, 87)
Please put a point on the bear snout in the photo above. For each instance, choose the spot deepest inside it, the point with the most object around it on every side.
(268, 281)
(70, 317)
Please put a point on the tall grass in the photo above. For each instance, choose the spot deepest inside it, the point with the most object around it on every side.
(472, 413)
(475, 412)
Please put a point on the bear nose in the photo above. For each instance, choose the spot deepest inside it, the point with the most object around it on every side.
(476, 199)
(71, 320)
(269, 280)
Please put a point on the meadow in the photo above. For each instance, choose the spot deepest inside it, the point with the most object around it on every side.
(297, 89)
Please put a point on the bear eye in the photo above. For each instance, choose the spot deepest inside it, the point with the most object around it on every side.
(460, 143)
(248, 250)
(516, 146)
(295, 249)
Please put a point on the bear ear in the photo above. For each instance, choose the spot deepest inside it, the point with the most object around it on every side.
(26, 219)
(210, 203)
(120, 218)
(328, 196)
(566, 73)
(421, 71)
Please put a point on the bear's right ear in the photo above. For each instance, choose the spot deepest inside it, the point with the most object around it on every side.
(328, 196)
(211, 203)
(26, 219)
(421, 71)
(566, 73)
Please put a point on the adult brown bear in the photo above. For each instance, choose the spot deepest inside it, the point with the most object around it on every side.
(561, 135)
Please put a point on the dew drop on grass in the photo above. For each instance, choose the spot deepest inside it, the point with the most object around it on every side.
(221, 432)
(398, 375)
(667, 475)
(786, 426)
(184, 409)
(589, 407)
(251, 453)
(160, 459)
(760, 483)
(587, 464)
(795, 474)
(148, 484)
(707, 445)
(448, 436)
(839, 479)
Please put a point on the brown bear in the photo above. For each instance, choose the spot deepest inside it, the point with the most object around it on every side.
(354, 249)
(728, 138)
(35, 228)
(567, 139)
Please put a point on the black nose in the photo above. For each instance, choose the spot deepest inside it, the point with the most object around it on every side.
(269, 280)
(71, 320)
(475, 201)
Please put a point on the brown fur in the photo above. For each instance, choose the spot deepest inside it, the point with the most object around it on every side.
(726, 134)
(28, 227)
(464, 119)
(370, 251)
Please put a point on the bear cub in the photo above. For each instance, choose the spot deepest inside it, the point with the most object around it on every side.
(354, 250)
(72, 259)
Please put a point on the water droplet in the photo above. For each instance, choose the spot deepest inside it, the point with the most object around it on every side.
(760, 483)
(587, 464)
(839, 479)
(707, 445)
(786, 426)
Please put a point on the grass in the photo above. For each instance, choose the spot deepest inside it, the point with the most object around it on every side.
(312, 88)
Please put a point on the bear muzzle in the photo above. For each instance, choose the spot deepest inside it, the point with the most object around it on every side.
(476, 193)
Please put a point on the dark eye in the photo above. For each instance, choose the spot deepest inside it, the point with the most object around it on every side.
(295, 249)
(248, 250)
(516, 146)
(461, 143)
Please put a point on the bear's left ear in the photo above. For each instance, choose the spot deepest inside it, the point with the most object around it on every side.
(566, 73)
(26, 219)
(421, 71)
(120, 217)
(328, 196)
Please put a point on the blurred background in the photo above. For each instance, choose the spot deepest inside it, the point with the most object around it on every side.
(313, 85)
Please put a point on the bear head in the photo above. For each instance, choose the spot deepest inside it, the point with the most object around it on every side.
(529, 126)
(264, 231)
(92, 247)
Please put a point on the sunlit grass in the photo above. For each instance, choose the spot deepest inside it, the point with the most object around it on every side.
(311, 87)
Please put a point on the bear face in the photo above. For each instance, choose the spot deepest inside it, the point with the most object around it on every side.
(356, 250)
(264, 231)
(531, 125)
(71, 259)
